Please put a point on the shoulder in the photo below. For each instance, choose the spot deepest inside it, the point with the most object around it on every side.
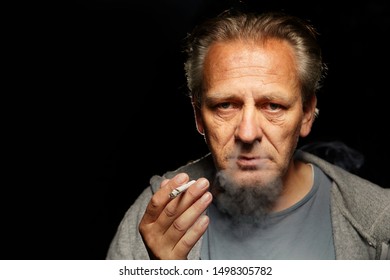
(338, 174)
(363, 203)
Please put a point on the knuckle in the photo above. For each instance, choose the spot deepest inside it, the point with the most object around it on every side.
(199, 207)
(179, 227)
(142, 229)
(154, 202)
(192, 193)
(187, 243)
(170, 211)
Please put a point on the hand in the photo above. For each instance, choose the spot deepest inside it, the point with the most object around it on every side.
(171, 227)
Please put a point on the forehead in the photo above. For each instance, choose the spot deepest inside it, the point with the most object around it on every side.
(233, 63)
(251, 57)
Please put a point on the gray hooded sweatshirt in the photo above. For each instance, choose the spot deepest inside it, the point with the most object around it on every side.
(360, 213)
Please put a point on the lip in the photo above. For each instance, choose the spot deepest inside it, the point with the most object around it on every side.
(250, 162)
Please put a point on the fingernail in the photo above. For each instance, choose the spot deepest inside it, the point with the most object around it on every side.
(206, 197)
(203, 220)
(203, 183)
(180, 178)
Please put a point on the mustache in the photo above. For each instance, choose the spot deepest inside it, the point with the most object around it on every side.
(245, 151)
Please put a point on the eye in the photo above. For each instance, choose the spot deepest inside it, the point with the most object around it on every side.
(224, 105)
(274, 106)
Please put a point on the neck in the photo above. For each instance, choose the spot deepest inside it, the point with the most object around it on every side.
(298, 183)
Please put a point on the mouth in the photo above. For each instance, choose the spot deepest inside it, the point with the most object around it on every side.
(250, 162)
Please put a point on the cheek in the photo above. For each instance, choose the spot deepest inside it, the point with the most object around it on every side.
(283, 137)
(218, 134)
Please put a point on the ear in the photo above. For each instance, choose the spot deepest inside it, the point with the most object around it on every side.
(198, 117)
(309, 114)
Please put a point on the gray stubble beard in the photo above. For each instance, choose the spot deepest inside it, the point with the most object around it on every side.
(245, 205)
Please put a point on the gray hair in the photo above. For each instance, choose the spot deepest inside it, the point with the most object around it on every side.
(230, 26)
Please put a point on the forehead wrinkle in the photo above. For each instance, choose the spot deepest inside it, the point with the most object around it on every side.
(252, 71)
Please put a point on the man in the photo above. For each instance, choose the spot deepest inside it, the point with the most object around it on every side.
(253, 81)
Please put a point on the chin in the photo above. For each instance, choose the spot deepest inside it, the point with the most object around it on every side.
(251, 178)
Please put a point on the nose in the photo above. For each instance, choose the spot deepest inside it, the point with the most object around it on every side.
(248, 129)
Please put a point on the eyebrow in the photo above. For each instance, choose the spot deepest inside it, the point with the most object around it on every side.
(273, 96)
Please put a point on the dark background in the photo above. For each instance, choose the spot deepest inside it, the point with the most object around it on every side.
(97, 104)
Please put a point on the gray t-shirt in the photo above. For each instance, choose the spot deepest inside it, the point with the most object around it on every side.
(303, 231)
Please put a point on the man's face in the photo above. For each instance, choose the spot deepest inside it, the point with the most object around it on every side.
(251, 112)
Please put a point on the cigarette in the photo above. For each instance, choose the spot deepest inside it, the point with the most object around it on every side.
(181, 189)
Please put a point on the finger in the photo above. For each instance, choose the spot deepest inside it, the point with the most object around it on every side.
(161, 198)
(164, 182)
(181, 203)
(186, 220)
(189, 239)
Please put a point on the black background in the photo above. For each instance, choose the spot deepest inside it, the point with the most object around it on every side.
(96, 105)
